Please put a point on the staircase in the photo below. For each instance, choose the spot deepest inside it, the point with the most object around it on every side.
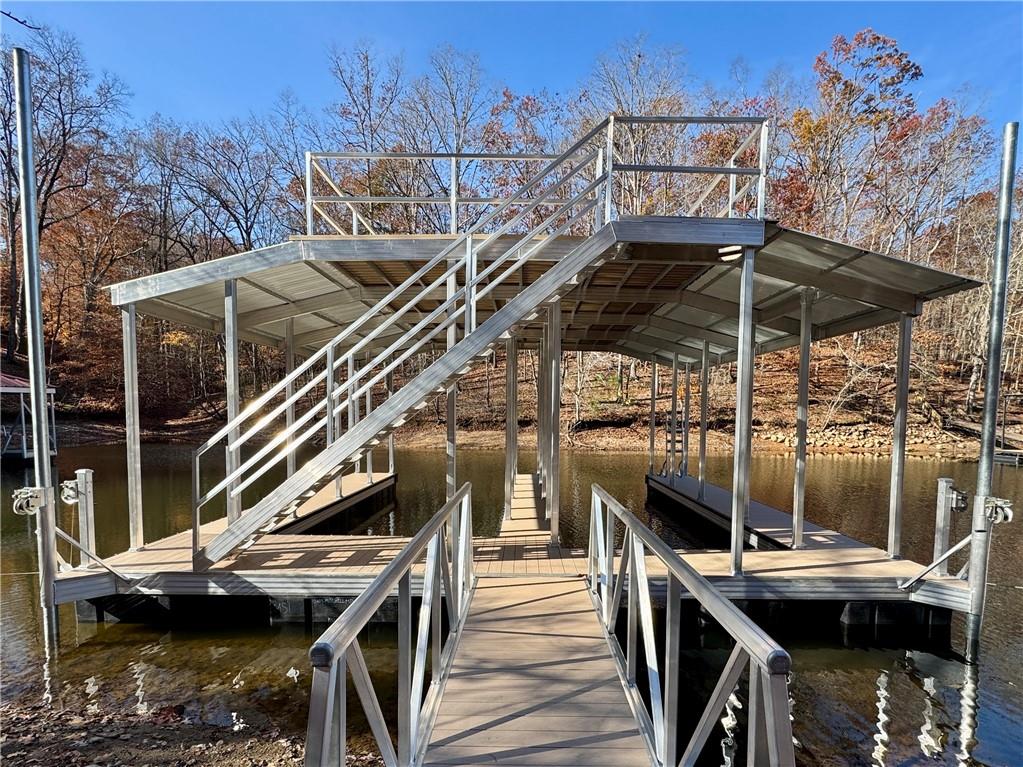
(568, 196)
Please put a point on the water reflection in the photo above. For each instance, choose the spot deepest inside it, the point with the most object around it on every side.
(851, 704)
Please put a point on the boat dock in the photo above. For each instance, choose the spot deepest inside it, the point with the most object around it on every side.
(520, 644)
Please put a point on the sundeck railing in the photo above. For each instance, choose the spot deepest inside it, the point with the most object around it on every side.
(770, 729)
(447, 541)
(667, 165)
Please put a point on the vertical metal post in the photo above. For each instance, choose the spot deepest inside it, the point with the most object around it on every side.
(511, 423)
(289, 390)
(653, 412)
(470, 287)
(46, 515)
(234, 503)
(704, 402)
(132, 427)
(743, 412)
(609, 162)
(672, 652)
(86, 513)
(899, 437)
(980, 545)
(405, 703)
(554, 496)
(389, 383)
(765, 131)
(353, 409)
(369, 448)
(452, 339)
(543, 379)
(309, 226)
(942, 523)
(673, 424)
(684, 470)
(802, 416)
(598, 171)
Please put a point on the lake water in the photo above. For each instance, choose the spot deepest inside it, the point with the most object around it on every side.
(863, 704)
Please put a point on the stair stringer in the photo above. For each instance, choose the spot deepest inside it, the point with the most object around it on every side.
(558, 279)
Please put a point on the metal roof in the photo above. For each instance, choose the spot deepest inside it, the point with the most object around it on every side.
(666, 291)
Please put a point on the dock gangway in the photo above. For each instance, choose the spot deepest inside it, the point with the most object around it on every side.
(529, 670)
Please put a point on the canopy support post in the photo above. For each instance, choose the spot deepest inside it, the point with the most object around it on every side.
(899, 437)
(743, 412)
(802, 416)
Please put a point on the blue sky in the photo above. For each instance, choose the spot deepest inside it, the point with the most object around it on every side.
(211, 61)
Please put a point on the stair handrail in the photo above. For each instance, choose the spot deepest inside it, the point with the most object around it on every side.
(770, 727)
(231, 477)
(448, 570)
(254, 406)
(398, 348)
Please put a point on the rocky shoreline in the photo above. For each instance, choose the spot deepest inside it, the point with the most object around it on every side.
(44, 735)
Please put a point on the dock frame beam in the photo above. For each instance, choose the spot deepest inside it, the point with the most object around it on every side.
(704, 403)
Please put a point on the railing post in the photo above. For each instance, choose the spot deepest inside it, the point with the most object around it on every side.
(732, 188)
(369, 448)
(470, 286)
(289, 389)
(309, 226)
(389, 383)
(86, 512)
(609, 160)
(765, 130)
(672, 645)
(704, 403)
(802, 416)
(405, 703)
(942, 522)
(609, 558)
(632, 625)
(328, 395)
(653, 413)
(598, 210)
(899, 437)
(756, 736)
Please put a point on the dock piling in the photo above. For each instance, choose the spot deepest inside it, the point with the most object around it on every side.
(980, 546)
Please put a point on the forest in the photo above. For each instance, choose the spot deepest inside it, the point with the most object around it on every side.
(852, 157)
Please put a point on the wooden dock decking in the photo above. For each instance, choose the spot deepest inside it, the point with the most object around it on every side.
(533, 683)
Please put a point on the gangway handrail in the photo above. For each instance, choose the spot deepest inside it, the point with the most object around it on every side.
(770, 728)
(447, 542)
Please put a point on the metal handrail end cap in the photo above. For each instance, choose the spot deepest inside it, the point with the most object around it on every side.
(321, 655)
(779, 662)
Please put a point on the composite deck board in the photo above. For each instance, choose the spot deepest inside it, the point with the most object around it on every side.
(830, 567)
(528, 689)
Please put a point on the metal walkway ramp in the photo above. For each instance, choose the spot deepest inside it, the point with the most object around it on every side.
(533, 682)
(528, 669)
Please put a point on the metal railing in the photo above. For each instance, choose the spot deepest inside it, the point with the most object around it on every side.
(951, 499)
(320, 399)
(640, 152)
(448, 572)
(312, 401)
(769, 724)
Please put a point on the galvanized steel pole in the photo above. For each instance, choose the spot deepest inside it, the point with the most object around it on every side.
(46, 515)
(743, 412)
(684, 470)
(802, 416)
(980, 545)
(232, 382)
(899, 437)
(132, 426)
(673, 426)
